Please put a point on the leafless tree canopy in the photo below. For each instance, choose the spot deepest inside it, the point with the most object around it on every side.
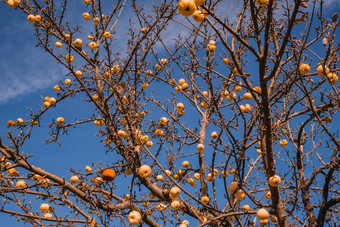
(221, 111)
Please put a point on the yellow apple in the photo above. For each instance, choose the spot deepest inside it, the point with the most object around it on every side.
(60, 120)
(58, 44)
(274, 181)
(232, 187)
(31, 18)
(197, 176)
(107, 35)
(322, 70)
(96, 20)
(240, 194)
(144, 171)
(74, 179)
(262, 214)
(69, 58)
(198, 16)
(20, 184)
(92, 45)
(186, 7)
(78, 42)
(185, 164)
(245, 207)
(200, 147)
(134, 217)
(44, 207)
(88, 169)
(86, 16)
(205, 199)
(175, 204)
(304, 68)
(67, 81)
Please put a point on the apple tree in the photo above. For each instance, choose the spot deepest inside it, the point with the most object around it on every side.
(217, 113)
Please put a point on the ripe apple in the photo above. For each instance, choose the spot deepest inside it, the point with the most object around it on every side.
(273, 218)
(322, 70)
(144, 171)
(274, 181)
(245, 207)
(44, 207)
(78, 42)
(10, 123)
(96, 20)
(99, 122)
(332, 78)
(37, 18)
(237, 88)
(47, 104)
(304, 68)
(88, 169)
(86, 16)
(184, 86)
(52, 101)
(95, 97)
(74, 179)
(78, 73)
(90, 37)
(191, 181)
(134, 217)
(211, 177)
(186, 7)
(67, 81)
(262, 214)
(283, 143)
(180, 106)
(92, 45)
(20, 184)
(69, 58)
(181, 81)
(247, 96)
(145, 86)
(268, 195)
(31, 18)
(257, 89)
(264, 222)
(107, 35)
(247, 108)
(200, 147)
(47, 215)
(175, 204)
(10, 3)
(198, 16)
(240, 194)
(226, 61)
(159, 177)
(232, 187)
(58, 44)
(159, 132)
(214, 135)
(185, 164)
(224, 173)
(197, 176)
(205, 199)
(56, 88)
(60, 120)
(108, 175)
(149, 143)
(174, 192)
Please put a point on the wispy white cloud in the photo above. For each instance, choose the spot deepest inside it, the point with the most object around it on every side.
(24, 68)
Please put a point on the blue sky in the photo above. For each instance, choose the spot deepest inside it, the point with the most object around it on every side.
(28, 74)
